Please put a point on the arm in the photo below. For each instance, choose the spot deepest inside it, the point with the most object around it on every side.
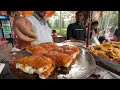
(22, 27)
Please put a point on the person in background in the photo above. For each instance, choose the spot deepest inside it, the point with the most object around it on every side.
(77, 31)
(102, 39)
(107, 34)
(33, 29)
(117, 35)
(94, 29)
(54, 34)
(94, 32)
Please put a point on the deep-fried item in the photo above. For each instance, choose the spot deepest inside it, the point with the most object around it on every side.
(115, 53)
(49, 45)
(35, 64)
(107, 45)
(74, 48)
(116, 46)
(47, 56)
(52, 45)
(39, 51)
(92, 49)
(64, 60)
(32, 47)
(46, 46)
(60, 50)
(36, 49)
(45, 74)
(102, 54)
(60, 59)
(71, 53)
(53, 55)
(108, 50)
(66, 47)
(100, 47)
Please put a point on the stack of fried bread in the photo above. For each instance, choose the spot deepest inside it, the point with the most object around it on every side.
(46, 57)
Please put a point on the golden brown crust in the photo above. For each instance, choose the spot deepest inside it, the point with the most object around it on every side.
(46, 46)
(47, 72)
(35, 61)
(50, 55)
(108, 50)
(36, 49)
(60, 50)
(60, 59)
(63, 59)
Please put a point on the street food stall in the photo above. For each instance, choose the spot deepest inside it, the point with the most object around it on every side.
(71, 59)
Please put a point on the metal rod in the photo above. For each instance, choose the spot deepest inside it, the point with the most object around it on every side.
(60, 22)
(89, 26)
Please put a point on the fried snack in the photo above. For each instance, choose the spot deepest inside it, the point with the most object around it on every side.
(112, 54)
(45, 57)
(53, 55)
(115, 53)
(76, 50)
(102, 54)
(45, 74)
(49, 45)
(55, 46)
(100, 47)
(71, 53)
(64, 60)
(36, 49)
(107, 45)
(116, 46)
(92, 49)
(73, 48)
(60, 50)
(46, 46)
(108, 50)
(36, 64)
(32, 47)
(60, 59)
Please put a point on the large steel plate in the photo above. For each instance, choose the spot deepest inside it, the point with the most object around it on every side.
(82, 69)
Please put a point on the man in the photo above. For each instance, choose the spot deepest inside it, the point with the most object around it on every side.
(77, 31)
(33, 29)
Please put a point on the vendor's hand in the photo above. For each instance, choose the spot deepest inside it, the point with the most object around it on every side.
(23, 28)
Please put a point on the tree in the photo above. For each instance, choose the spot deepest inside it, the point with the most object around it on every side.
(119, 20)
(114, 18)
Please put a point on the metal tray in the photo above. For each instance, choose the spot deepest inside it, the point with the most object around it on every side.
(78, 43)
(82, 69)
(113, 65)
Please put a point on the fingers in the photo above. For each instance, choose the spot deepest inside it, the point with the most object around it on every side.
(25, 27)
(21, 35)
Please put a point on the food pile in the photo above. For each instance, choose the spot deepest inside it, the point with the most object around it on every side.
(46, 57)
(107, 50)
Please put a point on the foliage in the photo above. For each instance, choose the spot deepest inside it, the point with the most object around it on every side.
(110, 20)
(114, 18)
(63, 31)
(66, 19)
